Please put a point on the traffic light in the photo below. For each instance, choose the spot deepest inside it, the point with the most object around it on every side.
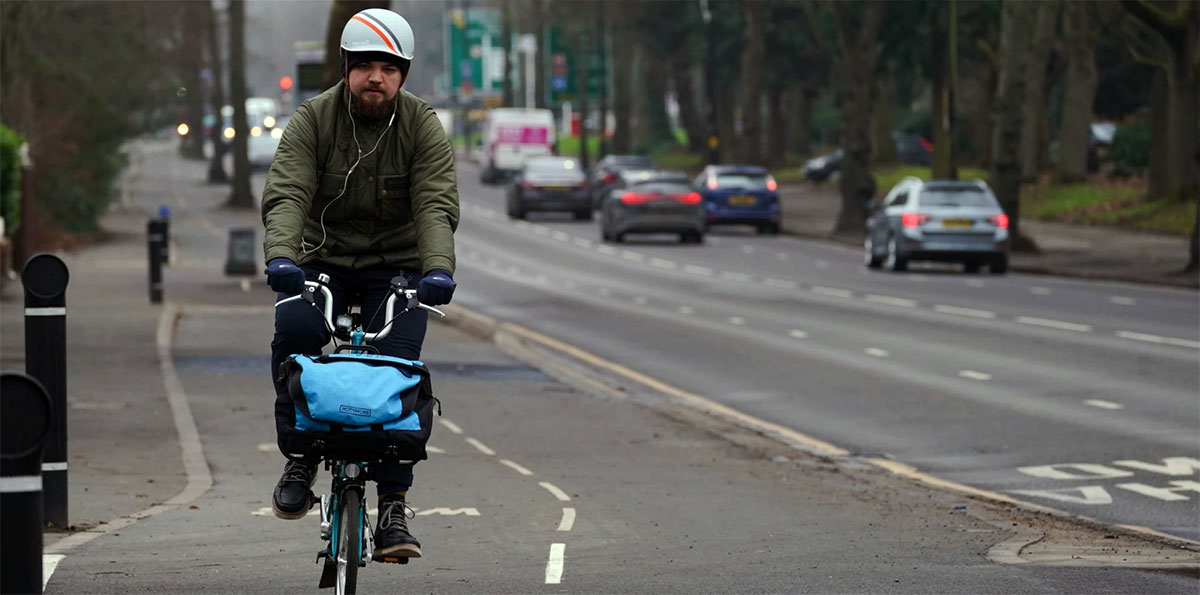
(285, 83)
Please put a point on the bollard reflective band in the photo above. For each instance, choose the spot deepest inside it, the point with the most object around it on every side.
(45, 311)
(54, 466)
(20, 483)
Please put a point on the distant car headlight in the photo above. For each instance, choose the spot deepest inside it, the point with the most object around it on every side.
(276, 133)
(269, 121)
(182, 129)
(256, 131)
(229, 132)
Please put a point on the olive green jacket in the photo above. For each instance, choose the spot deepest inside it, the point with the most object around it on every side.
(400, 205)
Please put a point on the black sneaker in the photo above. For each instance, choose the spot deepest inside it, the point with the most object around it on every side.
(292, 497)
(392, 539)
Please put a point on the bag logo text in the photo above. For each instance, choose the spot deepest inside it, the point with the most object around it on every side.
(359, 411)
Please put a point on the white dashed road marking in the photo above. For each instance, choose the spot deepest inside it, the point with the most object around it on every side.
(832, 291)
(553, 489)
(957, 311)
(876, 352)
(1040, 290)
(738, 320)
(1157, 339)
(891, 301)
(697, 270)
(663, 263)
(568, 519)
(1103, 404)
(481, 447)
(732, 276)
(635, 256)
(974, 283)
(780, 283)
(973, 375)
(554, 567)
(453, 427)
(515, 467)
(797, 334)
(1122, 301)
(686, 310)
(1056, 324)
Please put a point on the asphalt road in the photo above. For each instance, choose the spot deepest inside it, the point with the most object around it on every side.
(1077, 395)
(580, 440)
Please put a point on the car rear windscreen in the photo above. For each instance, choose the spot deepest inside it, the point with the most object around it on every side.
(956, 197)
(661, 188)
(744, 181)
(557, 169)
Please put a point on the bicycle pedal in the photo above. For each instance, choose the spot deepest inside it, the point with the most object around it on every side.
(392, 559)
(322, 554)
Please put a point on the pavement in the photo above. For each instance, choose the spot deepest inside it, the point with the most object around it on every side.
(129, 460)
(1100, 253)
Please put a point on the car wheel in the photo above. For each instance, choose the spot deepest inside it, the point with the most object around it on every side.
(584, 215)
(773, 229)
(972, 266)
(618, 238)
(999, 264)
(894, 261)
(870, 259)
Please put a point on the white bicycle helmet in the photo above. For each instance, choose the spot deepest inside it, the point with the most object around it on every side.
(378, 30)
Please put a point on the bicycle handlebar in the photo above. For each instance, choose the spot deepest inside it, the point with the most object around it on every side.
(396, 291)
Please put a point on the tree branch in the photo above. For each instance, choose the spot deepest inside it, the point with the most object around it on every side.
(1172, 27)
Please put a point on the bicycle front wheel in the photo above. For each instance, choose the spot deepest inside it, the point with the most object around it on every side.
(349, 547)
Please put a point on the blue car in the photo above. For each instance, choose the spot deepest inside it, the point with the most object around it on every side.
(740, 194)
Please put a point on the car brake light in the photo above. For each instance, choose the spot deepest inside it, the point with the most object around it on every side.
(712, 184)
(771, 185)
(633, 198)
(913, 219)
(691, 198)
(609, 177)
(1000, 220)
(528, 185)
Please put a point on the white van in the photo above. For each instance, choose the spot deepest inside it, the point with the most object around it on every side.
(510, 136)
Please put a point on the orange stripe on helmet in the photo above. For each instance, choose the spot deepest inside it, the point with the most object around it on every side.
(377, 32)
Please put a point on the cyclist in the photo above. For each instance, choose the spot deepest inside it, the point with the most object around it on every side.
(362, 188)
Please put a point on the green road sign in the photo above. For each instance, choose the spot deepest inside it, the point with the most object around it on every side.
(475, 58)
(560, 67)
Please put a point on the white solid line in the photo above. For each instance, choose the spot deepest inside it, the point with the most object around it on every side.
(663, 263)
(1122, 301)
(1040, 290)
(686, 310)
(697, 270)
(876, 352)
(49, 563)
(568, 519)
(62, 466)
(973, 375)
(553, 489)
(891, 301)
(1103, 404)
(453, 427)
(554, 567)
(738, 320)
(972, 312)
(45, 311)
(1157, 339)
(1057, 324)
(515, 467)
(480, 446)
(630, 255)
(781, 283)
(797, 334)
(833, 291)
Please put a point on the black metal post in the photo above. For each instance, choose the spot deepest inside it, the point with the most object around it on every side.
(25, 419)
(155, 238)
(164, 215)
(45, 278)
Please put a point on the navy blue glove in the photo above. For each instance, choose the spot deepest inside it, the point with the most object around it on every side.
(436, 288)
(284, 276)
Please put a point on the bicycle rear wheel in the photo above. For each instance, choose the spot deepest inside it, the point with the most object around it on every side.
(349, 546)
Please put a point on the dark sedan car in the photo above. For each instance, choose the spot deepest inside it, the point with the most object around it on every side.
(605, 171)
(549, 184)
(652, 201)
(740, 194)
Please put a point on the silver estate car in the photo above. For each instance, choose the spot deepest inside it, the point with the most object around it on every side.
(950, 221)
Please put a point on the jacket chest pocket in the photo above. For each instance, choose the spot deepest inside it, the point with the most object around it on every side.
(393, 204)
(329, 187)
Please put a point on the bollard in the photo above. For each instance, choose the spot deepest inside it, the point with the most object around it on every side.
(241, 259)
(164, 215)
(45, 278)
(155, 239)
(26, 417)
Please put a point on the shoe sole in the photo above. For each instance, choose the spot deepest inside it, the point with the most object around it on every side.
(403, 550)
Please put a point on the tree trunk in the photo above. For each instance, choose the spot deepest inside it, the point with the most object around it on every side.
(241, 196)
(776, 131)
(654, 124)
(602, 47)
(883, 148)
(1080, 92)
(1006, 131)
(192, 62)
(539, 71)
(622, 141)
(726, 123)
(690, 117)
(859, 53)
(1182, 141)
(1045, 15)
(582, 42)
(1159, 163)
(799, 103)
(944, 166)
(753, 58)
(216, 163)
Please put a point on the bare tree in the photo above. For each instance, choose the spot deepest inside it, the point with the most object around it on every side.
(241, 196)
(506, 42)
(856, 27)
(1006, 130)
(191, 62)
(622, 141)
(753, 58)
(1045, 17)
(1080, 93)
(216, 163)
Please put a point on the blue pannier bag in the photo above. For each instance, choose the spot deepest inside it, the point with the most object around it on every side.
(347, 404)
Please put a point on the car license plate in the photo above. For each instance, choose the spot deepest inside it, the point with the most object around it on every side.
(742, 201)
(556, 188)
(956, 223)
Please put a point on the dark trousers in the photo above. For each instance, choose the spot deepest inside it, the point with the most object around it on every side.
(300, 328)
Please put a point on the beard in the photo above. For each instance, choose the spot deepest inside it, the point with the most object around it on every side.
(373, 108)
